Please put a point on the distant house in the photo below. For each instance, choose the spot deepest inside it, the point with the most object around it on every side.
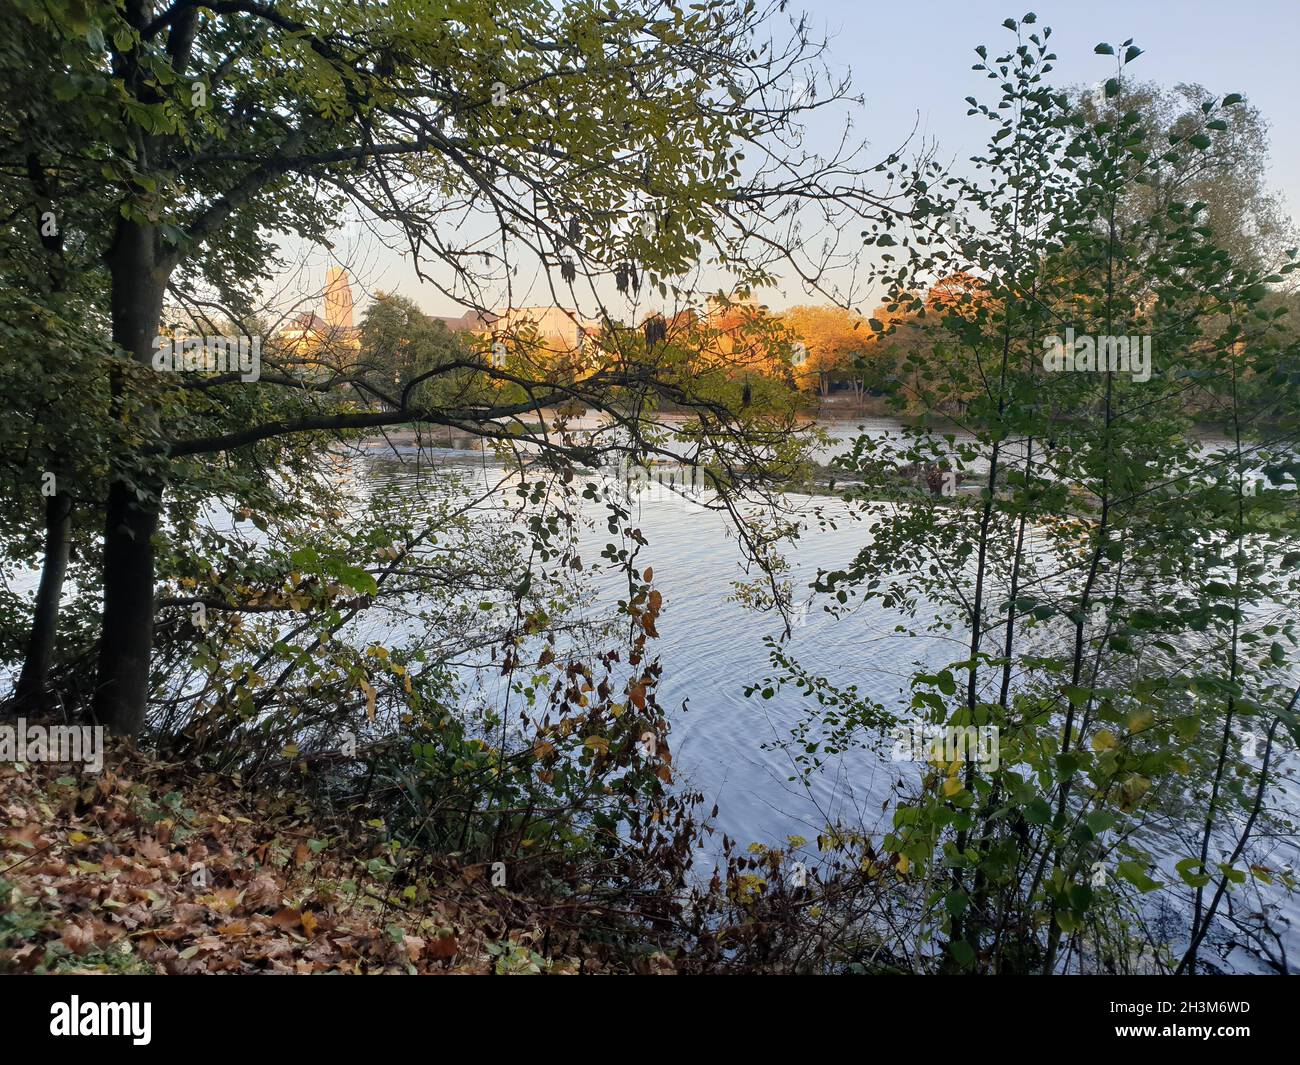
(559, 330)
(469, 322)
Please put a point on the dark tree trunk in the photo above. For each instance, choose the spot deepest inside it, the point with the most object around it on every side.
(122, 683)
(30, 693)
(126, 642)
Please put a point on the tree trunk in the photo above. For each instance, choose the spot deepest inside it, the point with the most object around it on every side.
(126, 642)
(30, 693)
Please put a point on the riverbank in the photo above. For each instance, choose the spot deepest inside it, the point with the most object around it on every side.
(150, 868)
(154, 868)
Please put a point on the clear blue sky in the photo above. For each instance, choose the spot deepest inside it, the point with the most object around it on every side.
(912, 62)
(914, 59)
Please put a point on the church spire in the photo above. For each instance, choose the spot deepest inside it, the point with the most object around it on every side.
(338, 299)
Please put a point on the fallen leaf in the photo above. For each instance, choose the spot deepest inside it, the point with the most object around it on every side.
(443, 947)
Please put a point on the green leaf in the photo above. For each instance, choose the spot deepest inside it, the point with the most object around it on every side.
(1077, 696)
(1136, 875)
(1232, 873)
(1038, 812)
(1188, 869)
(1100, 820)
(963, 952)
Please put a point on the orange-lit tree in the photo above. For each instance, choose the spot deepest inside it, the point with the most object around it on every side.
(832, 338)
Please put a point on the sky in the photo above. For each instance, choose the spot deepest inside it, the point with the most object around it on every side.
(912, 63)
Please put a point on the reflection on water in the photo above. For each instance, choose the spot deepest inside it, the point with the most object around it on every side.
(711, 647)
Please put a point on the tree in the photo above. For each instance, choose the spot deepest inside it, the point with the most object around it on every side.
(54, 316)
(216, 126)
(1122, 597)
(1228, 174)
(833, 339)
(399, 343)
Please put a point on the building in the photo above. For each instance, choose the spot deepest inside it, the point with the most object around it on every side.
(469, 322)
(331, 341)
(338, 300)
(559, 331)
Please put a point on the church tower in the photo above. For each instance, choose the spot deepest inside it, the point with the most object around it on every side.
(338, 300)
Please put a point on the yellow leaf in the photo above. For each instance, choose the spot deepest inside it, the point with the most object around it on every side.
(1141, 720)
(1104, 740)
(1132, 790)
(371, 696)
(951, 786)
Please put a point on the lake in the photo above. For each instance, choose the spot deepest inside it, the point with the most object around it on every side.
(729, 746)
(711, 647)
